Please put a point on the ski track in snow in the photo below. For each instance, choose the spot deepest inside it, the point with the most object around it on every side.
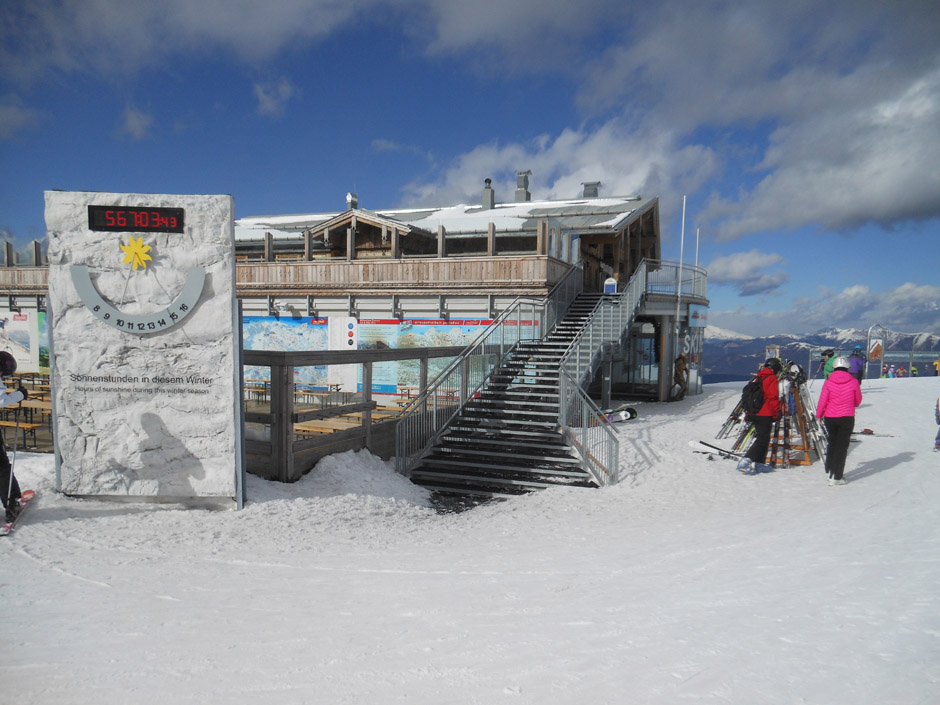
(687, 582)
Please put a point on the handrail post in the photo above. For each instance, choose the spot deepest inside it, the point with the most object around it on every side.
(282, 427)
(367, 397)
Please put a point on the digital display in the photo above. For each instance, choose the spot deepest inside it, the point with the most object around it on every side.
(135, 219)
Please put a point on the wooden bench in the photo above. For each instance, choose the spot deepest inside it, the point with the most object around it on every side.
(28, 429)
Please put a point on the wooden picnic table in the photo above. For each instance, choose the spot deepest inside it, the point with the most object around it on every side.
(321, 426)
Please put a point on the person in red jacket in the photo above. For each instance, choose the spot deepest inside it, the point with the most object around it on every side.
(764, 419)
(841, 394)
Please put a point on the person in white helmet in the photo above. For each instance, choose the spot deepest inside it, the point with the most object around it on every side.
(841, 395)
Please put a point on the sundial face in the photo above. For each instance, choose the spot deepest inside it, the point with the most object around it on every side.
(138, 261)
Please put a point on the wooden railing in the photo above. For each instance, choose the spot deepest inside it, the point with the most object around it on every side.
(513, 275)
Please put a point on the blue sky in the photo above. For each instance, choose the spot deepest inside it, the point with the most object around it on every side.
(804, 135)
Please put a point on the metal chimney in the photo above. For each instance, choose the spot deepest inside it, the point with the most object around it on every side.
(352, 201)
(489, 196)
(522, 187)
(591, 189)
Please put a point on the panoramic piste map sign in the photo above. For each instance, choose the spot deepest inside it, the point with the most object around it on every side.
(145, 346)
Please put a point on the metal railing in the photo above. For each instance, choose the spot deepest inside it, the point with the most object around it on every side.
(427, 416)
(589, 432)
(579, 417)
(675, 278)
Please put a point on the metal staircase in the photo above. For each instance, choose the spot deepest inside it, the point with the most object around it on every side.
(511, 414)
(506, 439)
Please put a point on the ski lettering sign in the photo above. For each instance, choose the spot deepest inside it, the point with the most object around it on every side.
(144, 345)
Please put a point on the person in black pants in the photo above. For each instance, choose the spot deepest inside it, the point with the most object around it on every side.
(9, 487)
(841, 394)
(764, 419)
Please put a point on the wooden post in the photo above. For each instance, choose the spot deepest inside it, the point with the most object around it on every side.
(491, 239)
(441, 244)
(282, 425)
(268, 247)
(396, 244)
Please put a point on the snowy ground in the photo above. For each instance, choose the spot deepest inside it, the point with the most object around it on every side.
(687, 583)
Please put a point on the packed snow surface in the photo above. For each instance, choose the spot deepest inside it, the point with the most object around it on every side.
(686, 583)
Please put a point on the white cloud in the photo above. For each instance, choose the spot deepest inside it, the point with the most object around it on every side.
(384, 145)
(119, 37)
(908, 308)
(744, 272)
(135, 123)
(874, 164)
(272, 97)
(15, 117)
(624, 161)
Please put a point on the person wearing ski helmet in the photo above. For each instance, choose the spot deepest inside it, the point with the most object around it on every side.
(9, 487)
(826, 363)
(857, 362)
(841, 395)
(764, 419)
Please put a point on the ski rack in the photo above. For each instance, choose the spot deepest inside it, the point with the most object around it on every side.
(802, 425)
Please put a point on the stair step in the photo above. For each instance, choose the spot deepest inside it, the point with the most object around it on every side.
(451, 453)
(489, 483)
(509, 434)
(454, 440)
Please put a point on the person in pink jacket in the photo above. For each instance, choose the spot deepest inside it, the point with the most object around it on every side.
(841, 394)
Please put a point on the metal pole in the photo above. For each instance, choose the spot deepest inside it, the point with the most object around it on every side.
(679, 279)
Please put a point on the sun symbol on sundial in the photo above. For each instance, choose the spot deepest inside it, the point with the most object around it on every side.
(136, 254)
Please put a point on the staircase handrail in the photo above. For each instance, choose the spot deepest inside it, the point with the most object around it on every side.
(587, 429)
(609, 323)
(423, 420)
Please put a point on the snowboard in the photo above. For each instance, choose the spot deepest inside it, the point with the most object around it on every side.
(623, 413)
(25, 500)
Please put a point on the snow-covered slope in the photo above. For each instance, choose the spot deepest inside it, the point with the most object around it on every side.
(687, 582)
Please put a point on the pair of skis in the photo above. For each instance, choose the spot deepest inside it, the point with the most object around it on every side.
(25, 500)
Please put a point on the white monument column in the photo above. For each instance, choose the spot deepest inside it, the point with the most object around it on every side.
(145, 346)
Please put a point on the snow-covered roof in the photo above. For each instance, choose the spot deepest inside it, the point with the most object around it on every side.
(581, 214)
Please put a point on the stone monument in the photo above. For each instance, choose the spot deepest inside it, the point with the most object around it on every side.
(145, 345)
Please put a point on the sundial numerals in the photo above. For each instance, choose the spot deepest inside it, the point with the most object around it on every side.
(140, 324)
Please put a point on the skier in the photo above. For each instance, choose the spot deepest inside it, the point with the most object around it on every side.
(936, 409)
(841, 394)
(764, 419)
(857, 362)
(9, 487)
(825, 365)
(680, 378)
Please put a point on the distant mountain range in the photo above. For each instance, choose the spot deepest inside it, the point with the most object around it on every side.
(731, 356)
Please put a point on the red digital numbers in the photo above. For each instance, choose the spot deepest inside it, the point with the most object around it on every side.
(111, 218)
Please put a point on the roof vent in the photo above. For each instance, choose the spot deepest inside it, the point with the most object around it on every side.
(352, 201)
(489, 196)
(591, 189)
(522, 187)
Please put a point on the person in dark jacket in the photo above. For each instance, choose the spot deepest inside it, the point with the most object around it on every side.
(764, 419)
(9, 487)
(857, 362)
(841, 394)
